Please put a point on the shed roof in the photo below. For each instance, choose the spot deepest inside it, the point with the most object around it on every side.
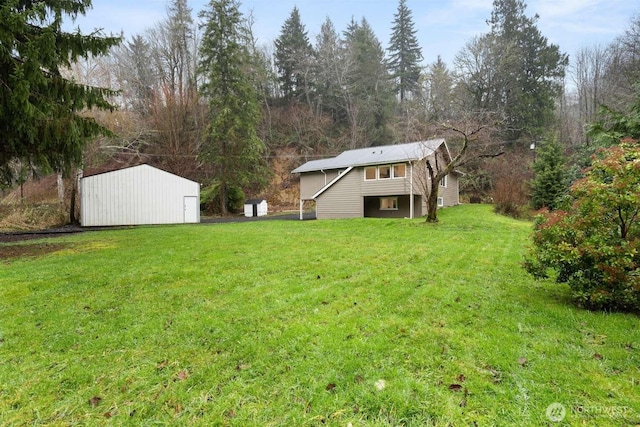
(254, 201)
(374, 156)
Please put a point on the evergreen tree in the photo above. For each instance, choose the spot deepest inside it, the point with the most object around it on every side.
(368, 89)
(551, 177)
(533, 81)
(329, 73)
(405, 53)
(39, 109)
(439, 91)
(293, 57)
(231, 146)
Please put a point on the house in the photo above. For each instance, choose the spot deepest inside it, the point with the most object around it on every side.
(388, 181)
(136, 195)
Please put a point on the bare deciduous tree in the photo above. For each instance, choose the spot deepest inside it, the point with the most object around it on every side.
(472, 134)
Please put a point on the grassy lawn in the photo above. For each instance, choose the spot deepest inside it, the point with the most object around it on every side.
(347, 322)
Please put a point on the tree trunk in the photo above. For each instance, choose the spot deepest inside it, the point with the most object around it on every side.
(432, 201)
(223, 198)
(75, 191)
(60, 184)
(72, 209)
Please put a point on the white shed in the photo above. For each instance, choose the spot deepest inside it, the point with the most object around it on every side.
(255, 207)
(138, 195)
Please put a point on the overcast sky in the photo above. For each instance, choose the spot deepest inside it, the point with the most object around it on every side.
(443, 26)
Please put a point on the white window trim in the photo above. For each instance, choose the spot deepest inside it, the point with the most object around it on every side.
(389, 209)
(393, 171)
(443, 181)
(390, 171)
(440, 202)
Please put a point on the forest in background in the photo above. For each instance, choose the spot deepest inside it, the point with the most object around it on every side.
(343, 90)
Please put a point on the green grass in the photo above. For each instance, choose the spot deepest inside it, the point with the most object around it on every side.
(295, 323)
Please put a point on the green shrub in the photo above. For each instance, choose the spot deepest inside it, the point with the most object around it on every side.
(235, 199)
(593, 244)
(210, 199)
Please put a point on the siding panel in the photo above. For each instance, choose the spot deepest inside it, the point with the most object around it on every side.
(343, 199)
(311, 182)
(137, 195)
(449, 193)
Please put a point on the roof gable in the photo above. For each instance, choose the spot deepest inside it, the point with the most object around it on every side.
(374, 156)
(141, 166)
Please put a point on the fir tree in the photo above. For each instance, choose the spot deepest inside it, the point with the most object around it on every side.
(232, 146)
(404, 52)
(293, 57)
(551, 176)
(39, 109)
(533, 79)
(369, 90)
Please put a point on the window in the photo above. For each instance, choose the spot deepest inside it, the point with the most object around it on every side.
(369, 173)
(388, 203)
(384, 172)
(399, 171)
(443, 181)
(440, 202)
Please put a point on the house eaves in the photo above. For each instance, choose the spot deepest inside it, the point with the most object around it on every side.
(336, 179)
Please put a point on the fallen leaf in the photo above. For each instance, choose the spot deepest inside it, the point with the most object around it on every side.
(359, 379)
(182, 375)
(463, 403)
(330, 387)
(455, 387)
(381, 384)
(107, 414)
(324, 303)
(318, 277)
(597, 356)
(461, 378)
(243, 367)
(522, 361)
(162, 365)
(94, 401)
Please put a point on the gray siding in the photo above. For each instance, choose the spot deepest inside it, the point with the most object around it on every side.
(312, 182)
(449, 193)
(343, 199)
(383, 187)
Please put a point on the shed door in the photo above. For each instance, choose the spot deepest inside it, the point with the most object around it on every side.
(191, 209)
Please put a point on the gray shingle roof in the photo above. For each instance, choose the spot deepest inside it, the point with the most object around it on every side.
(374, 156)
